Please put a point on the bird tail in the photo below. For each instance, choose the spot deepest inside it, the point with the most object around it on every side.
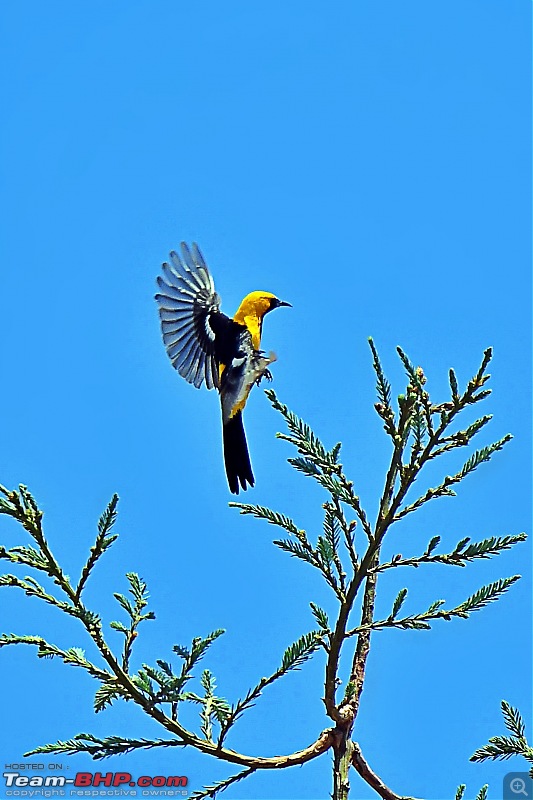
(236, 456)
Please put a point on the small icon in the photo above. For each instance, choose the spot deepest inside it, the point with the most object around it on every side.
(518, 786)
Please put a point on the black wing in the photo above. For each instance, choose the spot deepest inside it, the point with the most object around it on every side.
(191, 320)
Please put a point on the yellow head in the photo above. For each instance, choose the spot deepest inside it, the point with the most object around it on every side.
(252, 310)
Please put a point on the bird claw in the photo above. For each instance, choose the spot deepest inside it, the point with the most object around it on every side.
(266, 374)
(261, 366)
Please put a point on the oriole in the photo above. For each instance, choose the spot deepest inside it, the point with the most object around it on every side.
(205, 345)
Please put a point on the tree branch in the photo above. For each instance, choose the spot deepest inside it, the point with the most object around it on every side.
(373, 780)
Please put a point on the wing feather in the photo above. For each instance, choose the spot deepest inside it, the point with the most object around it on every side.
(189, 310)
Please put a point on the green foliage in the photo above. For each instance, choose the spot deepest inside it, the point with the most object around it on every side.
(454, 386)
(106, 694)
(260, 512)
(482, 456)
(197, 650)
(299, 551)
(220, 786)
(135, 613)
(345, 551)
(103, 542)
(303, 437)
(513, 720)
(213, 708)
(32, 588)
(299, 652)
(383, 387)
(460, 555)
(419, 429)
(332, 533)
(480, 598)
(320, 616)
(293, 658)
(432, 545)
(481, 795)
(305, 465)
(74, 656)
(100, 748)
(491, 546)
(25, 555)
(402, 594)
(487, 594)
(503, 747)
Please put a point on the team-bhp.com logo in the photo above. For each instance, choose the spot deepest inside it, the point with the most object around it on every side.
(94, 784)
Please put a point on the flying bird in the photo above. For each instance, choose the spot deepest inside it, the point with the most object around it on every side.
(206, 346)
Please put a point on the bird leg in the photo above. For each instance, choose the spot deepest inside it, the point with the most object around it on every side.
(260, 366)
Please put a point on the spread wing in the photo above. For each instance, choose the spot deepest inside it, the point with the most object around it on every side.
(191, 320)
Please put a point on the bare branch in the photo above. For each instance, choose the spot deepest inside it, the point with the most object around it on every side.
(373, 780)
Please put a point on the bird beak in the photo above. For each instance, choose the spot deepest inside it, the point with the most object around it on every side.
(283, 303)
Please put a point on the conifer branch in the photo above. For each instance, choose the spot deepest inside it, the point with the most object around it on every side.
(319, 463)
(500, 748)
(213, 708)
(383, 386)
(193, 655)
(443, 489)
(447, 412)
(420, 431)
(513, 720)
(460, 438)
(454, 386)
(139, 688)
(22, 507)
(27, 556)
(293, 658)
(303, 437)
(341, 489)
(31, 588)
(332, 526)
(220, 786)
(135, 612)
(101, 748)
(460, 556)
(481, 795)
(321, 618)
(273, 517)
(299, 652)
(416, 379)
(104, 540)
(74, 656)
(364, 574)
(480, 598)
(334, 509)
(320, 557)
(106, 694)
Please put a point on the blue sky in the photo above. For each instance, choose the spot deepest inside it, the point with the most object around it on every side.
(368, 162)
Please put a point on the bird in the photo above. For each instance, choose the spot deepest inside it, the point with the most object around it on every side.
(207, 347)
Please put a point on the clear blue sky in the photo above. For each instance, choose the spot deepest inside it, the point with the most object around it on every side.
(367, 161)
